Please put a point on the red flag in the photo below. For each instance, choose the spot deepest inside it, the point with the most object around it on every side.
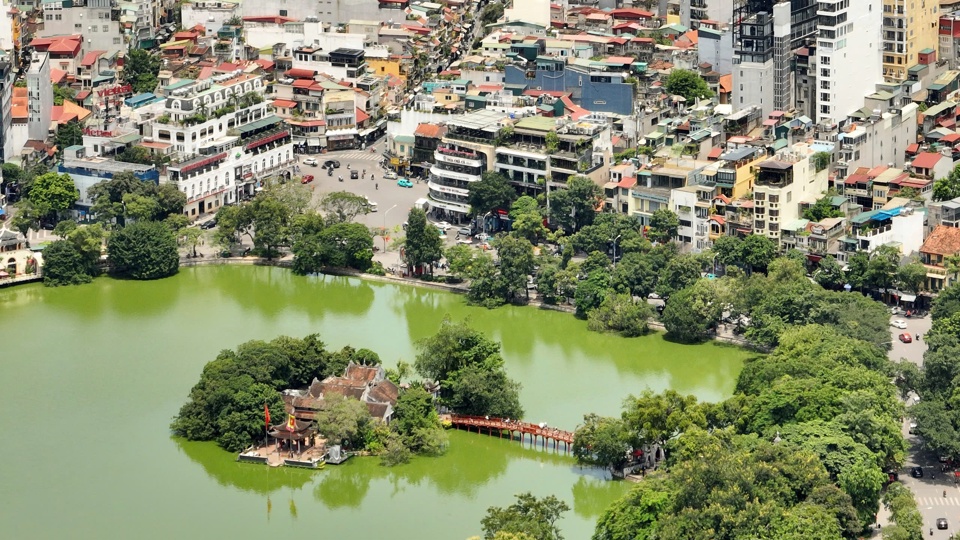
(266, 415)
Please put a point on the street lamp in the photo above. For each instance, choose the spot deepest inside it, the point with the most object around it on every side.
(484, 224)
(385, 228)
(615, 250)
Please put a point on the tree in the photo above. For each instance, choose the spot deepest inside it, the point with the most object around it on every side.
(492, 192)
(135, 154)
(622, 314)
(61, 93)
(481, 390)
(26, 218)
(516, 265)
(948, 187)
(679, 273)
(143, 250)
(69, 134)
(343, 420)
(455, 346)
(529, 515)
(139, 208)
(343, 206)
(53, 193)
(821, 160)
(728, 250)
(655, 418)
(912, 276)
(140, 69)
(552, 141)
(823, 208)
(663, 225)
(634, 275)
(634, 516)
(423, 247)
(602, 442)
(63, 264)
(687, 83)
(575, 207)
(415, 419)
(758, 251)
(170, 200)
(830, 274)
(269, 217)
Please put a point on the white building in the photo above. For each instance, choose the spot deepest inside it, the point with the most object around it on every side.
(894, 224)
(91, 18)
(6, 25)
(881, 139)
(331, 12)
(782, 184)
(267, 33)
(848, 56)
(692, 206)
(532, 11)
(7, 73)
(211, 14)
(40, 95)
(455, 168)
(759, 64)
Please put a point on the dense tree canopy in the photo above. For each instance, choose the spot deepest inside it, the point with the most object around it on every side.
(423, 246)
(143, 250)
(53, 193)
(688, 84)
(140, 70)
(492, 192)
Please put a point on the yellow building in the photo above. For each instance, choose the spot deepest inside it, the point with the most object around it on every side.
(390, 65)
(909, 26)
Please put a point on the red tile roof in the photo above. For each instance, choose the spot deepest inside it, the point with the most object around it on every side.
(299, 73)
(57, 76)
(950, 138)
(303, 83)
(90, 58)
(627, 182)
(715, 152)
(913, 148)
(267, 65)
(275, 19)
(431, 131)
(718, 218)
(362, 116)
(856, 179)
(284, 103)
(942, 241)
(926, 160)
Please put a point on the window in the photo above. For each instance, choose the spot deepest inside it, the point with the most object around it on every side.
(283, 13)
(78, 26)
(116, 41)
(106, 28)
(59, 17)
(93, 28)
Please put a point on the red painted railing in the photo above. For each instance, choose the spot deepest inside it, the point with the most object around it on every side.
(535, 430)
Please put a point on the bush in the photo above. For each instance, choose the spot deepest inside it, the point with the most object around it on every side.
(63, 264)
(377, 269)
(622, 314)
(143, 250)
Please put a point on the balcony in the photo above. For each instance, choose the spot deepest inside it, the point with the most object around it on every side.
(448, 190)
(440, 173)
(263, 139)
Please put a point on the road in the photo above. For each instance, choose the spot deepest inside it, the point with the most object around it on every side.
(928, 491)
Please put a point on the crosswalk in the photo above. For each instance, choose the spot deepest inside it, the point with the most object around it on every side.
(350, 154)
(938, 501)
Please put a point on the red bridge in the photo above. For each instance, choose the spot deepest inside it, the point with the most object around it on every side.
(500, 425)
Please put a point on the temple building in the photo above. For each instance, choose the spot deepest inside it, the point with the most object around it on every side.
(368, 384)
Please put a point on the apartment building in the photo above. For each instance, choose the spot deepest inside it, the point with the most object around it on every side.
(783, 184)
(342, 63)
(848, 57)
(96, 20)
(656, 182)
(468, 150)
(878, 140)
(692, 206)
(40, 97)
(7, 74)
(909, 27)
(762, 50)
(943, 242)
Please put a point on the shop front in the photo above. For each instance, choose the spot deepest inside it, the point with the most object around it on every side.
(341, 139)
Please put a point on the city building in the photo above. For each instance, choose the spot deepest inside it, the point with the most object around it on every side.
(692, 205)
(879, 139)
(211, 15)
(93, 19)
(848, 57)
(783, 184)
(86, 170)
(910, 28)
(7, 74)
(465, 152)
(761, 44)
(894, 225)
(592, 85)
(40, 97)
(942, 243)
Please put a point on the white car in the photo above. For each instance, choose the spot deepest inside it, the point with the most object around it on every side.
(443, 225)
(389, 175)
(310, 161)
(899, 323)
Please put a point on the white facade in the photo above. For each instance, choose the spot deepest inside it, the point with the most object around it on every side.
(848, 56)
(905, 229)
(691, 204)
(297, 34)
(533, 11)
(6, 25)
(91, 18)
(328, 11)
(783, 183)
(878, 141)
(455, 168)
(716, 48)
(753, 86)
(7, 74)
(40, 95)
(211, 14)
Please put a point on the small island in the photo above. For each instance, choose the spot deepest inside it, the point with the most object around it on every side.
(334, 405)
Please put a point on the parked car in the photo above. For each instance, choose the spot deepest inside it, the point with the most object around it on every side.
(209, 224)
(906, 338)
(941, 523)
(307, 178)
(916, 472)
(403, 182)
(899, 323)
(332, 163)
(354, 174)
(465, 231)
(310, 161)
(443, 225)
(913, 428)
(389, 175)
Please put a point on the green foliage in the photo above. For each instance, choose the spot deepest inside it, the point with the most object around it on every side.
(63, 264)
(904, 512)
(341, 245)
(343, 206)
(415, 419)
(575, 207)
(108, 198)
(344, 420)
(61, 93)
(143, 250)
(622, 314)
(53, 193)
(69, 134)
(678, 274)
(912, 276)
(492, 192)
(663, 225)
(687, 83)
(531, 516)
(823, 208)
(470, 369)
(423, 246)
(821, 160)
(691, 314)
(948, 187)
(635, 515)
(491, 13)
(140, 69)
(830, 274)
(601, 442)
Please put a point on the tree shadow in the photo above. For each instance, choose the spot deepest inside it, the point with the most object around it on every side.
(255, 478)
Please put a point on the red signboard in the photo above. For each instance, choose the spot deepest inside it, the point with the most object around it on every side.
(125, 89)
(98, 133)
(201, 163)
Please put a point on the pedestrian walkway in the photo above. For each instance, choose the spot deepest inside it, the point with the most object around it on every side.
(350, 154)
(938, 501)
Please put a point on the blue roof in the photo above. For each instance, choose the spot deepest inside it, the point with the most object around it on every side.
(876, 215)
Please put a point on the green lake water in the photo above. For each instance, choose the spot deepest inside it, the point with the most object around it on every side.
(91, 376)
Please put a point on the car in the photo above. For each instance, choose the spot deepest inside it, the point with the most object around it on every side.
(483, 237)
(941, 523)
(465, 231)
(307, 178)
(906, 338)
(371, 206)
(444, 226)
(463, 242)
(899, 323)
(403, 182)
(913, 428)
(332, 163)
(916, 472)
(389, 175)
(209, 224)
(310, 161)
(354, 174)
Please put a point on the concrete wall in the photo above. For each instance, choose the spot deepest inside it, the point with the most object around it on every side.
(599, 97)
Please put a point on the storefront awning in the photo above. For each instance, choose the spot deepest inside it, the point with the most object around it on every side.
(313, 141)
(908, 297)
